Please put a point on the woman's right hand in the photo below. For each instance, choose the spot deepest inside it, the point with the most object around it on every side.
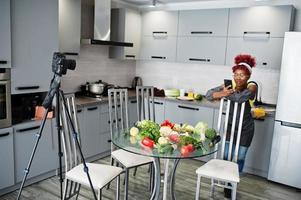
(227, 91)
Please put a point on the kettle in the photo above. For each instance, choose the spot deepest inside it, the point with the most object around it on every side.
(137, 81)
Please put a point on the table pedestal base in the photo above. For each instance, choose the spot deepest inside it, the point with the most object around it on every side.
(169, 178)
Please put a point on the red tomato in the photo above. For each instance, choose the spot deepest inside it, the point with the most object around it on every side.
(174, 138)
(185, 150)
(190, 147)
(167, 123)
(148, 142)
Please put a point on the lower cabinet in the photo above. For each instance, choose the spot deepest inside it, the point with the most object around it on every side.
(159, 111)
(90, 131)
(45, 158)
(7, 158)
(132, 109)
(186, 113)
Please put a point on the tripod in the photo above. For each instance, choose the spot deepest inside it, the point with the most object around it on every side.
(56, 92)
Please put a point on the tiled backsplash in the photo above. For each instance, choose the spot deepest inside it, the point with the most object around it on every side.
(93, 64)
(200, 78)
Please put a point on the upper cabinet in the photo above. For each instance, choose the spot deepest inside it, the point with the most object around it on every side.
(261, 21)
(159, 35)
(259, 31)
(211, 22)
(126, 27)
(69, 26)
(160, 23)
(5, 34)
(34, 39)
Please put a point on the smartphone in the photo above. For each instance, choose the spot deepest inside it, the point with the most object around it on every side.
(227, 83)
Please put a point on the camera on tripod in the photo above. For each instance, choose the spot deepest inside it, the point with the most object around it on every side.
(60, 64)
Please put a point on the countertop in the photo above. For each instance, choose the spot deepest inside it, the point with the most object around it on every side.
(83, 101)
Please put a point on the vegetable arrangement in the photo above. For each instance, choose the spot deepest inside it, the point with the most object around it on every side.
(169, 136)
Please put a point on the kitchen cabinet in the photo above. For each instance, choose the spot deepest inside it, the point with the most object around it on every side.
(161, 48)
(91, 136)
(258, 156)
(81, 122)
(267, 51)
(69, 26)
(207, 22)
(160, 23)
(5, 34)
(190, 114)
(204, 50)
(159, 111)
(45, 159)
(7, 173)
(261, 21)
(34, 39)
(125, 27)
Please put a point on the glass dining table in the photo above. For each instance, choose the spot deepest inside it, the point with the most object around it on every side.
(124, 141)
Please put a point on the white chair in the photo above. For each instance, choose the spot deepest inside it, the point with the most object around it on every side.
(224, 173)
(145, 105)
(118, 111)
(75, 176)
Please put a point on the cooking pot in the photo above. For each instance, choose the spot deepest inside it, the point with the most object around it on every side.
(96, 88)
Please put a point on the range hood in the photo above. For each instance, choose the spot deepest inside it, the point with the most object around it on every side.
(102, 25)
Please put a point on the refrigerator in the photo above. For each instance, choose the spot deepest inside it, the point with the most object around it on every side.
(285, 160)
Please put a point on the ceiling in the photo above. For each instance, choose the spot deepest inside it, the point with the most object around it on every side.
(149, 2)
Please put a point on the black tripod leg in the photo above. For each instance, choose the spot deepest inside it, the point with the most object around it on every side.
(39, 135)
(60, 154)
(75, 135)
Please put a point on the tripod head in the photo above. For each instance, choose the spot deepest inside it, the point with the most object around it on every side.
(60, 65)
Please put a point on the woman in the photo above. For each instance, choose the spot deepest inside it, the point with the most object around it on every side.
(242, 91)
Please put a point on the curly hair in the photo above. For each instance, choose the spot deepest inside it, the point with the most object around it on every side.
(244, 58)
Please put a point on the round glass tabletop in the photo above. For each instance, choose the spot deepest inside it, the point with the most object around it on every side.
(130, 144)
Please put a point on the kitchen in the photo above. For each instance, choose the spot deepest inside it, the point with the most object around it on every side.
(34, 39)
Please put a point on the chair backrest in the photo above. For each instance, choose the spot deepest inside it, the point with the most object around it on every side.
(145, 103)
(118, 111)
(238, 107)
(71, 152)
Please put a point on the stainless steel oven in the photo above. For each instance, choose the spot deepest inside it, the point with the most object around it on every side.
(5, 98)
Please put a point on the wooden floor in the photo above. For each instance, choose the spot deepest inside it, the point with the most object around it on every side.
(250, 187)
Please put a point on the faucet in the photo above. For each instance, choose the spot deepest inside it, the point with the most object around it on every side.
(258, 94)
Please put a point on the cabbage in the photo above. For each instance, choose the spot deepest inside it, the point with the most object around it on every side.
(200, 128)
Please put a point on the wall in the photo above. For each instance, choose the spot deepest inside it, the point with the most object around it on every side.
(200, 78)
(93, 64)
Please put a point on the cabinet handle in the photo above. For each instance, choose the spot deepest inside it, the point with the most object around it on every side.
(133, 101)
(70, 53)
(189, 108)
(158, 57)
(118, 106)
(159, 103)
(130, 56)
(92, 108)
(34, 87)
(201, 32)
(200, 59)
(255, 34)
(3, 62)
(159, 32)
(79, 111)
(4, 134)
(264, 64)
(109, 141)
(28, 129)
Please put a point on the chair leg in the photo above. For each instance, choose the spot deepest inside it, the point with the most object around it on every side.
(135, 171)
(198, 187)
(212, 188)
(234, 188)
(78, 192)
(99, 195)
(112, 164)
(150, 186)
(126, 180)
(118, 188)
